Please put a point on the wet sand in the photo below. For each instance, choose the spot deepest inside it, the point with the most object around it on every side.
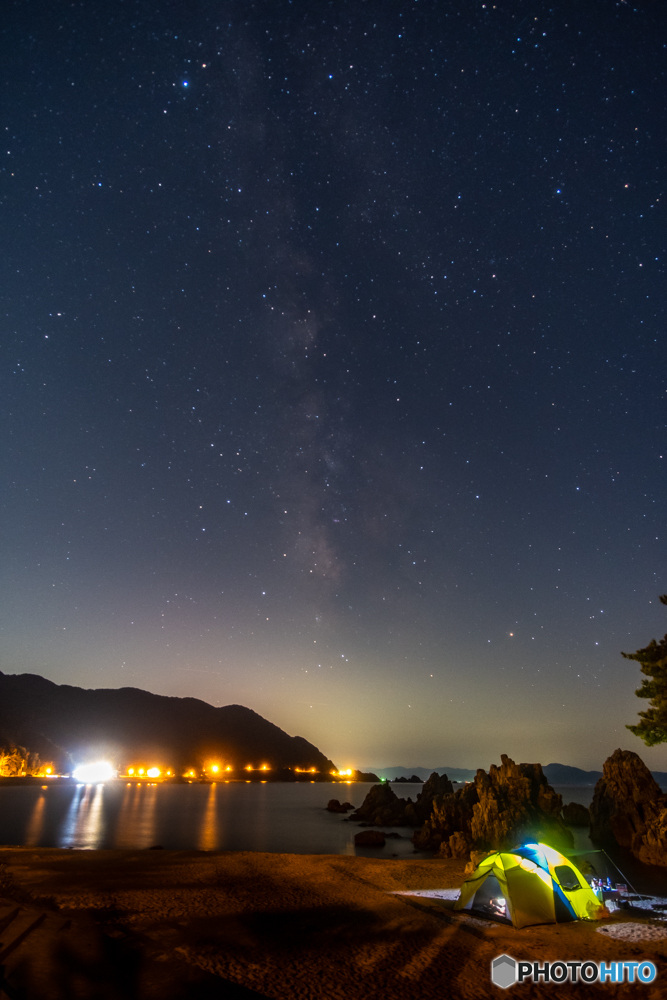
(300, 926)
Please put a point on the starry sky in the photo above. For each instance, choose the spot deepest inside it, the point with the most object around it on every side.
(332, 365)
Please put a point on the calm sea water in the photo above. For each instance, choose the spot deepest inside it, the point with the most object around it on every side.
(282, 818)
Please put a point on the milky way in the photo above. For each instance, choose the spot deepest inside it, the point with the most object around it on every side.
(333, 366)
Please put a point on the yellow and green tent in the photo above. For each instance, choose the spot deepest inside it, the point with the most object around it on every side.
(531, 884)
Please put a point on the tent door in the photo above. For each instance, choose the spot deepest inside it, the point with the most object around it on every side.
(489, 901)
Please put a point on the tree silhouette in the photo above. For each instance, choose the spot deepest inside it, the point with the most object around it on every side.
(653, 661)
(16, 761)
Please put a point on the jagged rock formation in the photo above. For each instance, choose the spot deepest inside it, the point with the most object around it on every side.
(574, 814)
(510, 804)
(382, 807)
(629, 808)
(414, 780)
(448, 828)
(475, 858)
(516, 802)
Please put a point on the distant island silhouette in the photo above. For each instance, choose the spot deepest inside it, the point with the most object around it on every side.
(128, 726)
(556, 774)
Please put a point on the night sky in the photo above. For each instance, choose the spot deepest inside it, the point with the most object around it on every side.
(332, 365)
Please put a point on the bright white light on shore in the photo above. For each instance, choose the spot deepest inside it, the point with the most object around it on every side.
(153, 772)
(90, 773)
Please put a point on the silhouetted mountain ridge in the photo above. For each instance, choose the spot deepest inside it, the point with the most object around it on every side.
(127, 725)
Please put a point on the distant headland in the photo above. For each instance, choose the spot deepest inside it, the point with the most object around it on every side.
(139, 733)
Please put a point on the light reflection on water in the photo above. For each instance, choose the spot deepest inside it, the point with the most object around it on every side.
(232, 816)
(134, 826)
(34, 829)
(208, 839)
(83, 824)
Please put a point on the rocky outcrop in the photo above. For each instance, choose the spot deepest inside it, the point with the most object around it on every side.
(434, 788)
(334, 806)
(574, 814)
(364, 776)
(382, 807)
(629, 808)
(458, 846)
(414, 780)
(369, 838)
(475, 858)
(448, 827)
(517, 803)
(510, 804)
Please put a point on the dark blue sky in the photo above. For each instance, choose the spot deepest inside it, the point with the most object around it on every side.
(333, 365)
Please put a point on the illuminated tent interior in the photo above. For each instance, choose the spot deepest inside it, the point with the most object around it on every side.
(531, 884)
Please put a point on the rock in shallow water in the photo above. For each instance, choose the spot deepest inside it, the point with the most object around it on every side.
(382, 807)
(369, 838)
(334, 806)
(574, 814)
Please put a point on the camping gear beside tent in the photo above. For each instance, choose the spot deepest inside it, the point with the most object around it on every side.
(531, 884)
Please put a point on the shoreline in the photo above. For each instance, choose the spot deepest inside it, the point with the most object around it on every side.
(297, 925)
(132, 779)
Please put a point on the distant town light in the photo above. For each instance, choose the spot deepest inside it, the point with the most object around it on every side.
(101, 771)
(153, 772)
(248, 767)
(141, 770)
(130, 770)
(215, 768)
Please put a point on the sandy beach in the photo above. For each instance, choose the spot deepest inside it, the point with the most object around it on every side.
(197, 924)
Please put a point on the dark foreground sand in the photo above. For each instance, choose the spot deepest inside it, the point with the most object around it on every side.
(190, 924)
